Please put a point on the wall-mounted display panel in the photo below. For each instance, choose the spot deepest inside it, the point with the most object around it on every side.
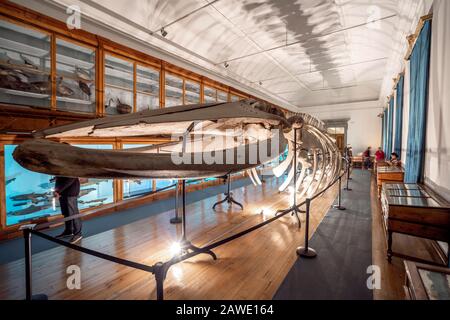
(147, 88)
(25, 68)
(174, 90)
(75, 77)
(119, 85)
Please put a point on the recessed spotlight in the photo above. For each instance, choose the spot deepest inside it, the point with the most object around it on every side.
(163, 32)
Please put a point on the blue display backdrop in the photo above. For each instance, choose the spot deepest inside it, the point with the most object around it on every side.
(420, 65)
(399, 117)
(29, 195)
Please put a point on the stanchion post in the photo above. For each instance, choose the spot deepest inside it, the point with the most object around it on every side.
(339, 206)
(347, 188)
(306, 251)
(28, 264)
(176, 219)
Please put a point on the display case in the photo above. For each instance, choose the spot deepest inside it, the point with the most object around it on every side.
(136, 187)
(95, 192)
(75, 77)
(191, 92)
(147, 88)
(174, 90)
(222, 96)
(209, 94)
(29, 195)
(235, 98)
(25, 68)
(119, 85)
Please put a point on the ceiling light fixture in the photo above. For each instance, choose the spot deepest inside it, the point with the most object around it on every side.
(163, 32)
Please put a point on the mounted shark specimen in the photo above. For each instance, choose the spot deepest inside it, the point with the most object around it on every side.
(207, 140)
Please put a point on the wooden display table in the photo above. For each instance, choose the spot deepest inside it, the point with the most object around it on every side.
(389, 174)
(426, 282)
(414, 210)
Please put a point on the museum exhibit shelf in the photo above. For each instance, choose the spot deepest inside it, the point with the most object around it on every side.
(147, 88)
(75, 77)
(174, 87)
(119, 85)
(191, 92)
(25, 77)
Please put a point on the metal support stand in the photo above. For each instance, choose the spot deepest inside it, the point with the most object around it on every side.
(294, 209)
(29, 267)
(176, 219)
(186, 247)
(339, 206)
(185, 244)
(347, 188)
(228, 196)
(306, 251)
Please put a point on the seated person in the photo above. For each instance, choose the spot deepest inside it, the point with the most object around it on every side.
(395, 161)
(379, 155)
(366, 158)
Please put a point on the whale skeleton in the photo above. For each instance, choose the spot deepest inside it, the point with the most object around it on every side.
(206, 140)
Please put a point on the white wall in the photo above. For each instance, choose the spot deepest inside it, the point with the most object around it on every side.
(437, 157)
(364, 126)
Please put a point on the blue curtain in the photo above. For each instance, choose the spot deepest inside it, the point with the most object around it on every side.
(389, 129)
(384, 130)
(399, 118)
(420, 61)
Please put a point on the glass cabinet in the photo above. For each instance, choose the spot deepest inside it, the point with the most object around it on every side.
(210, 94)
(136, 187)
(25, 68)
(222, 96)
(95, 192)
(75, 77)
(235, 98)
(119, 85)
(191, 92)
(147, 88)
(174, 91)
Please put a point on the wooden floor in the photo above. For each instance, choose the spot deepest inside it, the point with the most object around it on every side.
(251, 267)
(393, 274)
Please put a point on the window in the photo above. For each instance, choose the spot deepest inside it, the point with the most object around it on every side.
(25, 66)
(75, 77)
(136, 187)
(235, 98)
(174, 91)
(147, 88)
(119, 85)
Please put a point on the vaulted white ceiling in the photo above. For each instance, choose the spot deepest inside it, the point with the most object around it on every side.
(301, 53)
